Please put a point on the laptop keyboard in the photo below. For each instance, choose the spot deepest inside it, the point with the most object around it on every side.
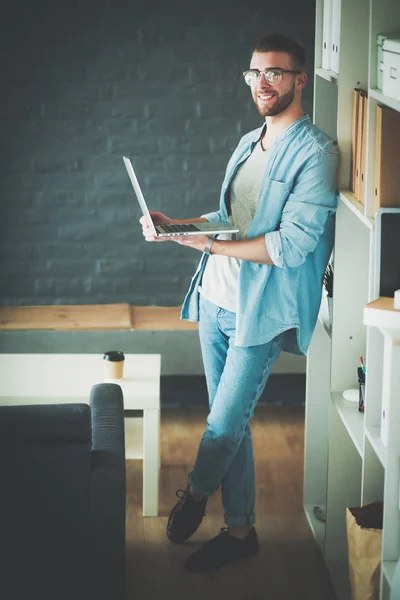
(179, 228)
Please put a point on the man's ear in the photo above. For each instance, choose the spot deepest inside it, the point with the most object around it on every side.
(301, 81)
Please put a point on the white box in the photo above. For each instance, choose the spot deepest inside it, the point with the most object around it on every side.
(391, 68)
(379, 41)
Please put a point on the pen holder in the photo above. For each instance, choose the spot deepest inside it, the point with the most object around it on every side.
(361, 389)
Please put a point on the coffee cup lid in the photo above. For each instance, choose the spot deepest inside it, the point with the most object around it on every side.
(114, 355)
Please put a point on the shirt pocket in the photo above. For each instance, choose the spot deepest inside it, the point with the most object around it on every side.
(272, 199)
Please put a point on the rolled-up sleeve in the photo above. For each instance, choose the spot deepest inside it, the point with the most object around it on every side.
(309, 204)
(213, 217)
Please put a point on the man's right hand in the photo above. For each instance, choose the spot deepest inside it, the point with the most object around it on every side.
(158, 219)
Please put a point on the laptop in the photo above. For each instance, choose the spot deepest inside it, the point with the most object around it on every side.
(177, 228)
(387, 252)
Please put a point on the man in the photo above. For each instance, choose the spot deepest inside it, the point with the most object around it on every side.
(258, 294)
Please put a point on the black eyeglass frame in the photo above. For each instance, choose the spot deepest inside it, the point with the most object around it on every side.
(270, 69)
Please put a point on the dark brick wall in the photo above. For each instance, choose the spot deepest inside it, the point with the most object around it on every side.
(84, 82)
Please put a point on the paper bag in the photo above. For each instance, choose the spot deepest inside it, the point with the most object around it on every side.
(364, 537)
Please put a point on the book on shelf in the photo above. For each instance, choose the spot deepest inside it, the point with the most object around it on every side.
(387, 158)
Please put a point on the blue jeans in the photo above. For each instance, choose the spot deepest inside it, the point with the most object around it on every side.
(236, 376)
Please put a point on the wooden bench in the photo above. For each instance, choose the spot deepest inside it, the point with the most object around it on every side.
(93, 317)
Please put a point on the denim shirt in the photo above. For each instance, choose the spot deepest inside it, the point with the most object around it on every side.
(295, 214)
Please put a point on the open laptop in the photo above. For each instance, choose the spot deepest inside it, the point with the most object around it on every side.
(177, 228)
(387, 252)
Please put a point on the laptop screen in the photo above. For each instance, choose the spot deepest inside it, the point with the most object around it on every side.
(139, 194)
(388, 251)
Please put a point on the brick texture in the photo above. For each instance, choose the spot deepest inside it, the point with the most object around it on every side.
(84, 82)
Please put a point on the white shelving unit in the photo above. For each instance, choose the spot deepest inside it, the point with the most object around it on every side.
(346, 462)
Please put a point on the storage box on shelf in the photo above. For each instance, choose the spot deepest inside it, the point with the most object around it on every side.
(391, 68)
(379, 75)
(346, 461)
(388, 43)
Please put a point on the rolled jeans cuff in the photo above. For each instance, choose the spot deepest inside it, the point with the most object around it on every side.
(232, 521)
(199, 490)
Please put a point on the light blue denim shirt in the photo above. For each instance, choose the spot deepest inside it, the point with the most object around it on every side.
(295, 214)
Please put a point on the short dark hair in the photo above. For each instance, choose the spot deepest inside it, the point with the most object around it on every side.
(276, 42)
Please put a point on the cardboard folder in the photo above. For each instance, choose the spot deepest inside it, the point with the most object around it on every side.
(387, 158)
(354, 138)
(361, 146)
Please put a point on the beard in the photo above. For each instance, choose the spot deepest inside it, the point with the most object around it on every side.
(280, 104)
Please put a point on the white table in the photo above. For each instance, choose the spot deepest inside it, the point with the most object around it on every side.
(63, 378)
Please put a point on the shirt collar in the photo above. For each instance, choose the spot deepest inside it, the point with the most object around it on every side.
(286, 133)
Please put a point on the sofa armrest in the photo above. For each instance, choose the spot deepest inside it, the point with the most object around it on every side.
(108, 490)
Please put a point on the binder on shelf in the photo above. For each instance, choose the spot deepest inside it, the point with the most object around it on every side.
(358, 142)
(387, 158)
(361, 146)
(363, 155)
(359, 133)
(335, 35)
(354, 138)
(326, 35)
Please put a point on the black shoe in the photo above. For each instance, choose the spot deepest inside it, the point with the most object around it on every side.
(185, 517)
(221, 551)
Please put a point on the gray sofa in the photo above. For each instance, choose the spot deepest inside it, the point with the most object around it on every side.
(62, 499)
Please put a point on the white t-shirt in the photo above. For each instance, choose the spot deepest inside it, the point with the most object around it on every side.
(220, 277)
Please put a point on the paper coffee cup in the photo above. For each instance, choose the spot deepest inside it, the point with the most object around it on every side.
(114, 361)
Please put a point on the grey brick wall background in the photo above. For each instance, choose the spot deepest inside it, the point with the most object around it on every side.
(84, 82)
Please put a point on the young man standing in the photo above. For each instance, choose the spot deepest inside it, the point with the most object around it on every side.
(258, 294)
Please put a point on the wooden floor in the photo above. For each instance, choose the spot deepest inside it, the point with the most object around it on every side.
(289, 566)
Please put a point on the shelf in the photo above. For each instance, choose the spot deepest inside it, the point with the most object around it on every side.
(317, 526)
(355, 468)
(388, 568)
(382, 314)
(328, 75)
(352, 419)
(374, 436)
(349, 199)
(382, 99)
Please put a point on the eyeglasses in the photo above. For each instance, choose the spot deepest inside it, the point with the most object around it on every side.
(272, 75)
